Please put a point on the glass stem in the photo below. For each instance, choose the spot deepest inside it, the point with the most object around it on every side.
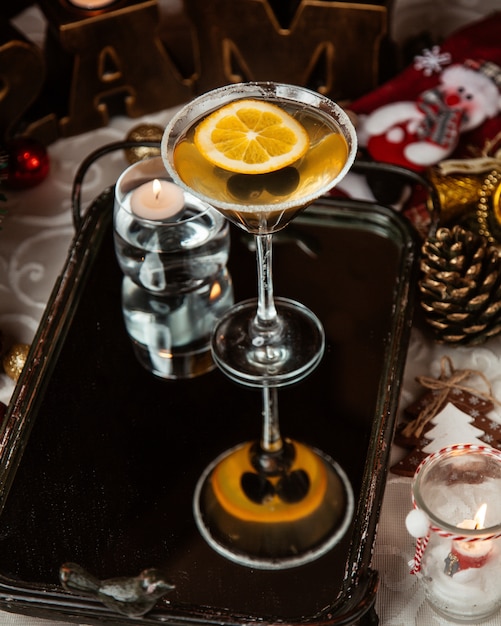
(266, 317)
(271, 441)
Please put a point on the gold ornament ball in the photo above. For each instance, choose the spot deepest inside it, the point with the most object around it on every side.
(14, 360)
(143, 132)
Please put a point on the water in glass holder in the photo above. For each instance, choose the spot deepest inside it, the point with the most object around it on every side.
(171, 334)
(167, 242)
(457, 522)
(173, 249)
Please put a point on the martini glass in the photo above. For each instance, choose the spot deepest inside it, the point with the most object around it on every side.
(275, 503)
(274, 341)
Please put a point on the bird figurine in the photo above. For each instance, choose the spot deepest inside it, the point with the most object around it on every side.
(131, 596)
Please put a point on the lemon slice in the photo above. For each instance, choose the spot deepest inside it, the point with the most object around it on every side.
(251, 137)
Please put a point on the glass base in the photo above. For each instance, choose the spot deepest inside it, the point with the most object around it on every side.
(171, 334)
(176, 364)
(265, 359)
(270, 512)
(456, 617)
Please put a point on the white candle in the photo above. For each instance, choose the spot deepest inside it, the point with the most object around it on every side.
(91, 4)
(157, 200)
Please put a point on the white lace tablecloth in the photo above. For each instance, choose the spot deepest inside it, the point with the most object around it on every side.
(33, 244)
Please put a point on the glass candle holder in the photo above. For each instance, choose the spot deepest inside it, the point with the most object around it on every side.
(457, 523)
(173, 250)
(166, 240)
(171, 334)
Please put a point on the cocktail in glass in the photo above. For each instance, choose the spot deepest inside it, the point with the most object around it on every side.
(274, 503)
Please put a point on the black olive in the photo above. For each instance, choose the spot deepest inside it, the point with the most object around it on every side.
(257, 488)
(245, 187)
(293, 487)
(282, 182)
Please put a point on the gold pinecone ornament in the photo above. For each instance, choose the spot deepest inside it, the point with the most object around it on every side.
(460, 286)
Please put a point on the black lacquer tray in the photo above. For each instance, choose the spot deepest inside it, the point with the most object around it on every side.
(99, 459)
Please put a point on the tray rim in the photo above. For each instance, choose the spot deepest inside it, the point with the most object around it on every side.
(356, 598)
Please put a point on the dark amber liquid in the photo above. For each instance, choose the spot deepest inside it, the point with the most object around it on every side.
(267, 202)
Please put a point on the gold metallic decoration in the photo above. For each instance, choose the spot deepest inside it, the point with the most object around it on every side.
(469, 191)
(488, 208)
(457, 194)
(107, 62)
(15, 359)
(143, 132)
(460, 286)
(332, 47)
(451, 566)
(22, 72)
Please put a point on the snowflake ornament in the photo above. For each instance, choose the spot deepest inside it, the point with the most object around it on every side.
(431, 61)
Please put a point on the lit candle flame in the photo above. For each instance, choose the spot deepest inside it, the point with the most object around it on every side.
(157, 188)
(479, 518)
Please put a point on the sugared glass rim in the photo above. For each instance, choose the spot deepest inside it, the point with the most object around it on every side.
(428, 463)
(200, 106)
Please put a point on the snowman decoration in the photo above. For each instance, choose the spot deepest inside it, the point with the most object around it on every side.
(421, 133)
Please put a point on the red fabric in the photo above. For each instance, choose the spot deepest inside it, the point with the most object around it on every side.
(479, 40)
(393, 152)
(443, 131)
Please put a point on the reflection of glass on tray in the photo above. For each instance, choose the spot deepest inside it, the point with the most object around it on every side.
(171, 334)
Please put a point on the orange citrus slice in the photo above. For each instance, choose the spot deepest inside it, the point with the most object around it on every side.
(251, 137)
(227, 486)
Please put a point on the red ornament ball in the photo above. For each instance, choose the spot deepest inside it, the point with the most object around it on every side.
(27, 163)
